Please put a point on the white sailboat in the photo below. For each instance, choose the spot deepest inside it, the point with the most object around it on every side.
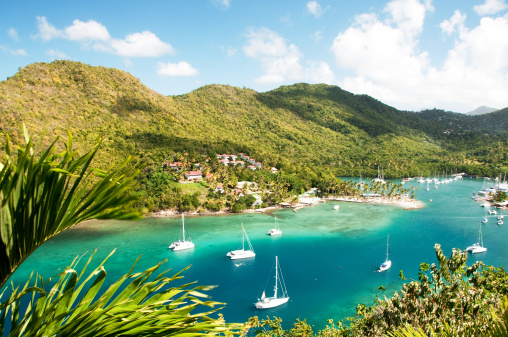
(485, 220)
(271, 302)
(477, 247)
(182, 244)
(276, 230)
(388, 263)
(380, 177)
(242, 253)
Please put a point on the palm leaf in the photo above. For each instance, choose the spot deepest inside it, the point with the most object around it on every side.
(41, 197)
(147, 306)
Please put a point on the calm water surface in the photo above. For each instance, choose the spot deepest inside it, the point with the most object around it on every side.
(328, 257)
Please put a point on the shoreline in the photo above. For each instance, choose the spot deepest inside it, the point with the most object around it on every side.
(407, 204)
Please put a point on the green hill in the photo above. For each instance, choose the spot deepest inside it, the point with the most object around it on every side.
(298, 125)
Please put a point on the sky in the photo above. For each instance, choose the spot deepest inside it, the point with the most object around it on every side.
(410, 54)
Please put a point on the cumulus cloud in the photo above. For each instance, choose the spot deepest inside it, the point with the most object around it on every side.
(314, 8)
(280, 61)
(387, 62)
(15, 52)
(13, 34)
(456, 21)
(490, 7)
(176, 69)
(86, 31)
(46, 30)
(93, 33)
(145, 44)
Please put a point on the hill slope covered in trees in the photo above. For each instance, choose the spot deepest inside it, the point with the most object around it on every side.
(299, 125)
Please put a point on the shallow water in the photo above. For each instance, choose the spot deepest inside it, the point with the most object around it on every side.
(328, 257)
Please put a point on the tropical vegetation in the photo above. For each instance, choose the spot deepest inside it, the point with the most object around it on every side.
(42, 196)
(305, 131)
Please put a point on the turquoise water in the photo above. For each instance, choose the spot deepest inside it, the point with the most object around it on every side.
(328, 257)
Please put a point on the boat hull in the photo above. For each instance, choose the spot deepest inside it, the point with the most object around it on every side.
(270, 302)
(240, 254)
(385, 266)
(181, 245)
(274, 231)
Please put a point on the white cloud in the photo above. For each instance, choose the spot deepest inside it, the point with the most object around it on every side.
(144, 44)
(280, 61)
(314, 8)
(46, 30)
(56, 54)
(387, 63)
(13, 34)
(86, 31)
(16, 52)
(490, 7)
(181, 68)
(456, 21)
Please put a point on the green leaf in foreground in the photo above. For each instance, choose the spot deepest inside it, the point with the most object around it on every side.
(137, 304)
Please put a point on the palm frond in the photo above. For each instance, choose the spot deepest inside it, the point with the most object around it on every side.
(41, 197)
(137, 304)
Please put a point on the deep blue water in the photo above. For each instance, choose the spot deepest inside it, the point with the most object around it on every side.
(327, 256)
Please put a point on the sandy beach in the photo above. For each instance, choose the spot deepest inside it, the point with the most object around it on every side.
(407, 204)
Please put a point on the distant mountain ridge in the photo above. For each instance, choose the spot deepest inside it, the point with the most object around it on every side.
(481, 110)
(292, 126)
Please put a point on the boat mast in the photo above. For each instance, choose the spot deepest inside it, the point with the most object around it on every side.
(183, 228)
(481, 238)
(243, 237)
(276, 275)
(387, 245)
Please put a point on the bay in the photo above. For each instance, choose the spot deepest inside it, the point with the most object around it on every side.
(328, 257)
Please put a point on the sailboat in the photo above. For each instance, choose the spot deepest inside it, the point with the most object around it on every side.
(380, 177)
(242, 253)
(270, 302)
(182, 244)
(477, 247)
(485, 220)
(276, 230)
(387, 264)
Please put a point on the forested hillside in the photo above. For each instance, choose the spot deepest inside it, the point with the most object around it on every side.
(293, 126)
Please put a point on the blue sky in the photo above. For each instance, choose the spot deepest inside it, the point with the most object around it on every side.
(411, 54)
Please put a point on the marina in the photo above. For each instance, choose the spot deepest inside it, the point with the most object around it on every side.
(329, 257)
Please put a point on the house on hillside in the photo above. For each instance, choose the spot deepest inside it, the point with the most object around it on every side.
(257, 164)
(193, 175)
(239, 162)
(225, 162)
(176, 166)
(252, 167)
